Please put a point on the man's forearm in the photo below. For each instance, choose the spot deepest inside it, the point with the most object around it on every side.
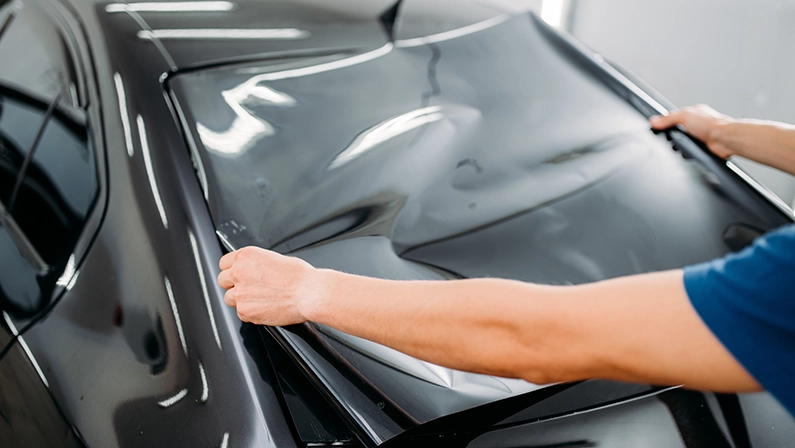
(640, 328)
(768, 143)
(484, 325)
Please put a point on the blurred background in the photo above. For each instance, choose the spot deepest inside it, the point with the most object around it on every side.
(735, 55)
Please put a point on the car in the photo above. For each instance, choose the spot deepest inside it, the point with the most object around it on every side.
(409, 140)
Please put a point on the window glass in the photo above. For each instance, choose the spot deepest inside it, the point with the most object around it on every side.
(59, 186)
(48, 177)
(62, 153)
(17, 280)
(42, 64)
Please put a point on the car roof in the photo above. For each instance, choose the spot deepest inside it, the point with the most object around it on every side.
(194, 34)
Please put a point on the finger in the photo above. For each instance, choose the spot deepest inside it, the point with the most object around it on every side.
(227, 260)
(229, 298)
(666, 121)
(225, 279)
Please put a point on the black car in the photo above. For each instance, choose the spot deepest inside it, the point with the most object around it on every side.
(411, 140)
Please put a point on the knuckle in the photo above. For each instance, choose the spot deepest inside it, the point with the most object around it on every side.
(248, 251)
(239, 273)
(242, 313)
(229, 297)
(240, 256)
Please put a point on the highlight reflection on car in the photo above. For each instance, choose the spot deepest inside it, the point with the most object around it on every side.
(411, 140)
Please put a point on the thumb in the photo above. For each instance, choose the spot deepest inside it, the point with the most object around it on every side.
(666, 121)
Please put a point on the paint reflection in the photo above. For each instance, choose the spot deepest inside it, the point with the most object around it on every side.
(385, 131)
(452, 34)
(125, 117)
(69, 271)
(247, 128)
(203, 280)
(10, 324)
(177, 319)
(327, 66)
(33, 361)
(168, 402)
(205, 385)
(224, 34)
(208, 6)
(150, 173)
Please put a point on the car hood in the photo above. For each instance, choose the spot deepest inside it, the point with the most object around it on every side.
(482, 151)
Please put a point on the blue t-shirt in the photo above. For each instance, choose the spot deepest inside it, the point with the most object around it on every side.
(747, 299)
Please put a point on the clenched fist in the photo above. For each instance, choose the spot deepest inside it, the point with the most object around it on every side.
(700, 121)
(268, 288)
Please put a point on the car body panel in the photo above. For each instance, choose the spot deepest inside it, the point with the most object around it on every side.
(279, 26)
(28, 414)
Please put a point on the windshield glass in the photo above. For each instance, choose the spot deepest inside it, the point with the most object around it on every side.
(480, 154)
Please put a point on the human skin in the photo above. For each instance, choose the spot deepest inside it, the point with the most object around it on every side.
(767, 142)
(640, 328)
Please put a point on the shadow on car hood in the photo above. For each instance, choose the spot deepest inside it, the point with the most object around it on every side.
(481, 151)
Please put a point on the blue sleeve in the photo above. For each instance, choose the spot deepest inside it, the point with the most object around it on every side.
(747, 299)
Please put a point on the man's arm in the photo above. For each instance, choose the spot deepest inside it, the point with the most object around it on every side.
(640, 328)
(766, 142)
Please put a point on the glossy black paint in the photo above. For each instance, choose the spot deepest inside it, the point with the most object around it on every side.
(138, 349)
(28, 414)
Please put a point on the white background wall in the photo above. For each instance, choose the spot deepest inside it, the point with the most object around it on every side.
(735, 55)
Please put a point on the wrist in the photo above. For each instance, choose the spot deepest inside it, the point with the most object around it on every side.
(318, 294)
(720, 137)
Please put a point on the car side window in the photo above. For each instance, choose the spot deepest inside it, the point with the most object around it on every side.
(48, 175)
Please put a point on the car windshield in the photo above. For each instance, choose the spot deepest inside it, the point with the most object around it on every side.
(487, 154)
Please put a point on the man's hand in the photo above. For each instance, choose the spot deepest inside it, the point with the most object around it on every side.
(265, 287)
(702, 122)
